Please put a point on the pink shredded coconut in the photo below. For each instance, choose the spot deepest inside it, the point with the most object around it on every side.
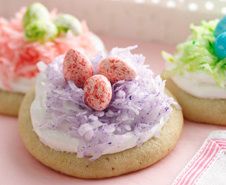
(18, 57)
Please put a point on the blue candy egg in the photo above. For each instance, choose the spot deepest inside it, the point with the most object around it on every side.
(220, 46)
(221, 27)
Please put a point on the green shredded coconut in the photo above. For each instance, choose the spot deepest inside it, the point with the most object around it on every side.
(196, 54)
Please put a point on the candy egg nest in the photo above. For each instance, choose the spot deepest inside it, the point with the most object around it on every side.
(204, 51)
(137, 106)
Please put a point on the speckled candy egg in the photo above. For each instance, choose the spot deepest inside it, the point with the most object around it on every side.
(116, 69)
(220, 46)
(97, 92)
(77, 67)
(221, 27)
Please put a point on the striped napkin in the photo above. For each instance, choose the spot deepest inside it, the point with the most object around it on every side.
(208, 166)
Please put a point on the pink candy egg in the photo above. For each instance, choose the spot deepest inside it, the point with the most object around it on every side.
(77, 67)
(116, 69)
(97, 92)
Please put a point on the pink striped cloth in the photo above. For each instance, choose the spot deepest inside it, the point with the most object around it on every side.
(208, 166)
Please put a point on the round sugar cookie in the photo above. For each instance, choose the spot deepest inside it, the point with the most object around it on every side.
(107, 165)
(211, 111)
(10, 103)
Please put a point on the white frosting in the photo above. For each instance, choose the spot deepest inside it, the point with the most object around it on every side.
(22, 85)
(64, 142)
(200, 85)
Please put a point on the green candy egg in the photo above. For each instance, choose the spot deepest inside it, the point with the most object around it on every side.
(34, 12)
(40, 30)
(65, 22)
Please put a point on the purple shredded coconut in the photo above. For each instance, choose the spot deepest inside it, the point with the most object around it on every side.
(136, 106)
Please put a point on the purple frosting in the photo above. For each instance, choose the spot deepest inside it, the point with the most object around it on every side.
(136, 106)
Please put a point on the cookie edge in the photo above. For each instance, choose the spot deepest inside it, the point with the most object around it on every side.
(109, 165)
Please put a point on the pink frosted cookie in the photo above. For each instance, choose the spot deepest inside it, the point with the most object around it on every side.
(34, 35)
